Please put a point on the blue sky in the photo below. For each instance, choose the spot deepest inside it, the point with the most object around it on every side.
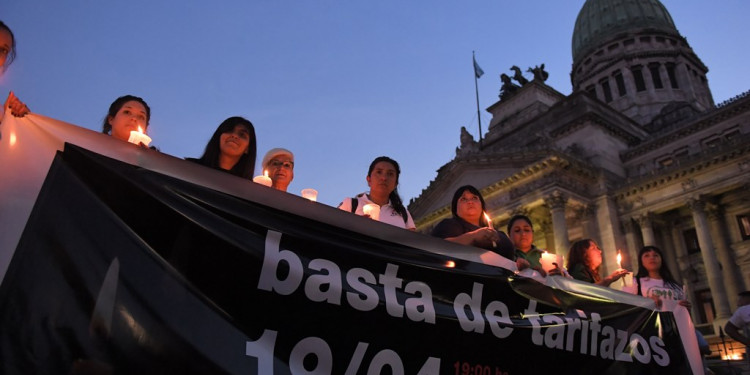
(337, 82)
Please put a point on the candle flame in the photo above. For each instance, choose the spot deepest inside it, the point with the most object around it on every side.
(450, 264)
(619, 259)
(265, 172)
(140, 130)
(489, 221)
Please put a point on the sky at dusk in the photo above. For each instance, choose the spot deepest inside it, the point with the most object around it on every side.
(337, 82)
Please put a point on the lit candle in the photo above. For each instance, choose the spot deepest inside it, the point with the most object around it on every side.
(619, 266)
(373, 210)
(550, 261)
(137, 137)
(489, 225)
(263, 179)
(310, 194)
(450, 264)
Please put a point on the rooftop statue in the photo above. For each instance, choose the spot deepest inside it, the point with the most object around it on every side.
(508, 88)
(518, 76)
(539, 73)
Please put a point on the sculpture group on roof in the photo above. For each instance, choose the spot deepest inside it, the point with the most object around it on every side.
(509, 88)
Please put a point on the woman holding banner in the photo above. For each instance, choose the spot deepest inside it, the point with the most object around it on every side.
(7, 55)
(232, 148)
(469, 226)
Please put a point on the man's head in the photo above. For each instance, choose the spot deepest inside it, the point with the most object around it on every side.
(279, 162)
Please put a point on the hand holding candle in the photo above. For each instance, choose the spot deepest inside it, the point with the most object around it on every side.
(550, 261)
(619, 266)
(137, 137)
(263, 179)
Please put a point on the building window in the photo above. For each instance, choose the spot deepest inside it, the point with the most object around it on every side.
(607, 91)
(620, 84)
(691, 241)
(655, 75)
(672, 76)
(666, 162)
(744, 223)
(705, 306)
(640, 84)
(591, 89)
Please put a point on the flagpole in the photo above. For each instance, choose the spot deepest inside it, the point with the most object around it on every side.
(476, 89)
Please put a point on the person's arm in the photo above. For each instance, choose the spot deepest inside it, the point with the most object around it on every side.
(617, 275)
(734, 332)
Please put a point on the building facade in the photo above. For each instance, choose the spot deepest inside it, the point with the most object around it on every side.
(638, 154)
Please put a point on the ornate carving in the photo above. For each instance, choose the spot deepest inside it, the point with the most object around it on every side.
(696, 204)
(689, 184)
(645, 220)
(556, 201)
(628, 225)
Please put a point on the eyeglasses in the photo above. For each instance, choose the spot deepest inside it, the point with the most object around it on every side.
(279, 163)
(473, 199)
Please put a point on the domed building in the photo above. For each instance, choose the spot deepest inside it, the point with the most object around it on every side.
(638, 154)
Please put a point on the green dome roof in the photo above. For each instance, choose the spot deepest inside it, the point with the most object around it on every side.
(600, 20)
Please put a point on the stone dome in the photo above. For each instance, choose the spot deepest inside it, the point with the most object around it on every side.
(600, 20)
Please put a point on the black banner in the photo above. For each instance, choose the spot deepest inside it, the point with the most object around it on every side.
(124, 270)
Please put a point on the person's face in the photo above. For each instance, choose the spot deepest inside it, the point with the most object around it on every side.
(281, 170)
(651, 261)
(521, 235)
(383, 178)
(6, 43)
(131, 115)
(593, 255)
(235, 142)
(469, 207)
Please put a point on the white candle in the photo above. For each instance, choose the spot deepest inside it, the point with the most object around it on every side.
(547, 261)
(137, 137)
(373, 210)
(489, 225)
(263, 179)
(310, 194)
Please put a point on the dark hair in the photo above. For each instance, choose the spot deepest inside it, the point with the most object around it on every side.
(457, 195)
(519, 217)
(664, 272)
(117, 105)
(12, 52)
(395, 199)
(577, 255)
(245, 166)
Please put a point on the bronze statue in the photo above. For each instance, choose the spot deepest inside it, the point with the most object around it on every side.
(539, 73)
(508, 88)
(518, 76)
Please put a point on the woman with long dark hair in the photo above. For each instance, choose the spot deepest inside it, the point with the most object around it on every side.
(232, 148)
(584, 260)
(382, 178)
(468, 225)
(654, 280)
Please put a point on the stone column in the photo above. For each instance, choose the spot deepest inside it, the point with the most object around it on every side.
(683, 262)
(587, 216)
(610, 234)
(632, 250)
(669, 253)
(732, 280)
(556, 203)
(713, 271)
(647, 229)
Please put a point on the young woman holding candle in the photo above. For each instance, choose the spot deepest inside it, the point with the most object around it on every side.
(382, 178)
(232, 148)
(521, 233)
(469, 226)
(584, 260)
(654, 280)
(7, 55)
(127, 113)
